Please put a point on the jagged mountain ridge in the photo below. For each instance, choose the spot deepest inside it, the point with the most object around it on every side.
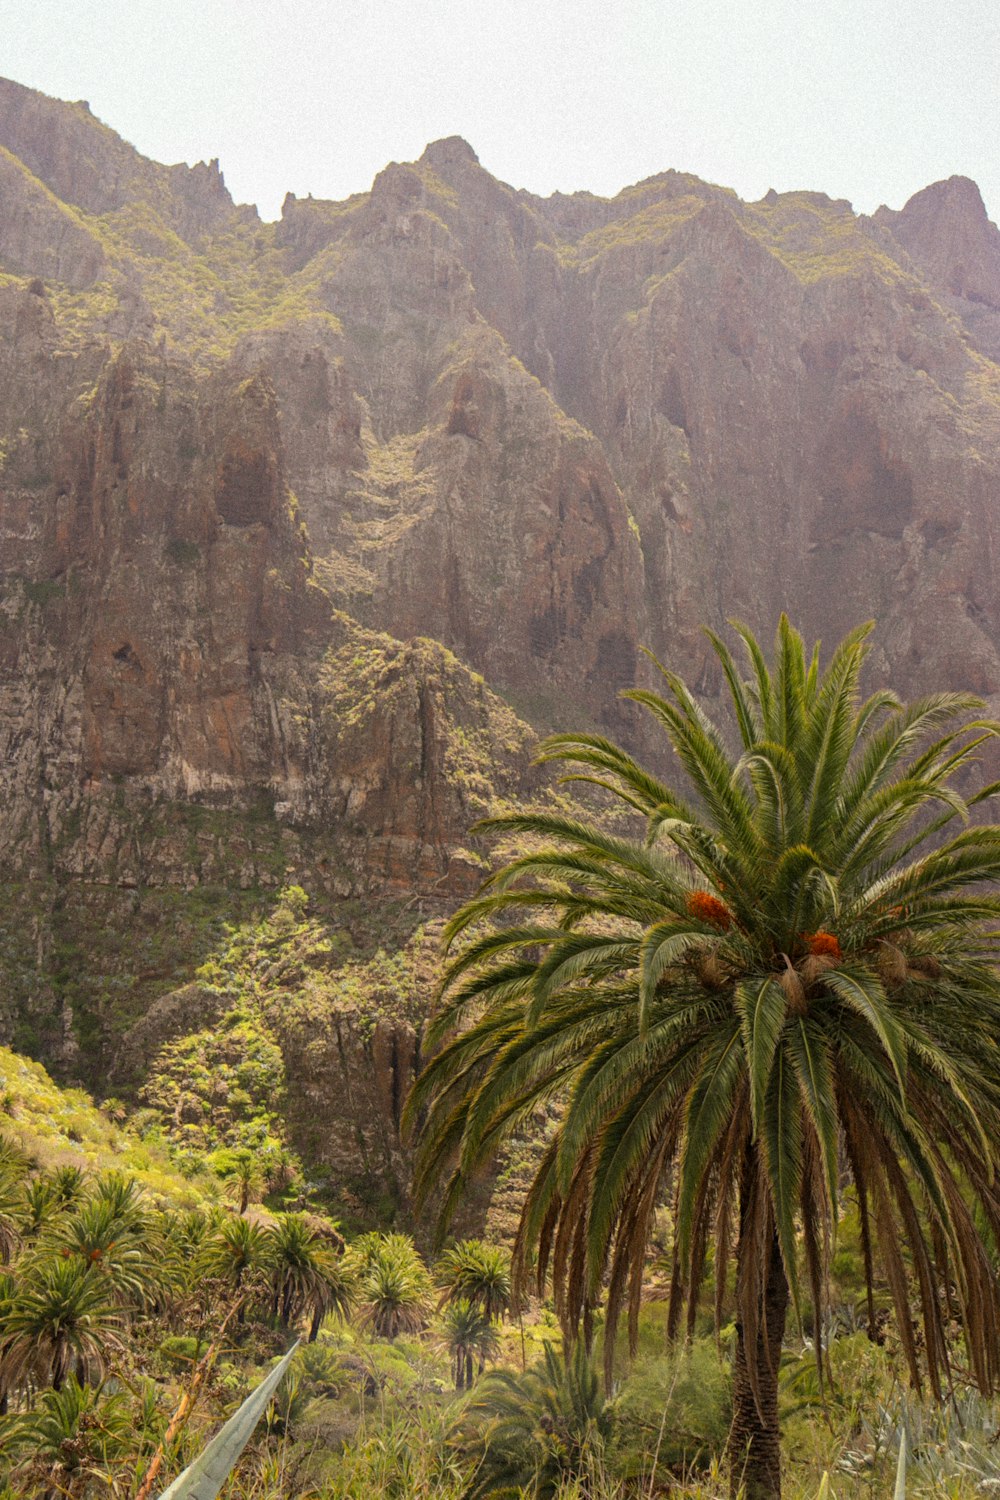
(541, 432)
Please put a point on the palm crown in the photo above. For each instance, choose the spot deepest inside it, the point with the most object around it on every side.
(790, 980)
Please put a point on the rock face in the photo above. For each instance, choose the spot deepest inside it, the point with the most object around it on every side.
(945, 231)
(304, 524)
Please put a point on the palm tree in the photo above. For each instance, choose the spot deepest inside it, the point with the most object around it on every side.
(306, 1274)
(333, 1295)
(791, 967)
(121, 1247)
(530, 1433)
(40, 1206)
(123, 1197)
(394, 1287)
(246, 1180)
(59, 1318)
(68, 1185)
(479, 1274)
(467, 1334)
(234, 1253)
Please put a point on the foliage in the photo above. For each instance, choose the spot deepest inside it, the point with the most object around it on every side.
(393, 1286)
(673, 1413)
(360, 1416)
(61, 1127)
(60, 1316)
(306, 1274)
(477, 1273)
(528, 1433)
(469, 1337)
(221, 1086)
(80, 1430)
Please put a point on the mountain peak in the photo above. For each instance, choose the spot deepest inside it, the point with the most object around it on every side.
(945, 229)
(449, 151)
(88, 165)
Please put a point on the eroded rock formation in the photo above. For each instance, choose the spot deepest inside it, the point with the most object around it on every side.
(310, 524)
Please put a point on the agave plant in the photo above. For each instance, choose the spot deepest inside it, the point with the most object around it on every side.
(203, 1479)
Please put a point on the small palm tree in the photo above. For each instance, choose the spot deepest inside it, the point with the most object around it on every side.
(532, 1434)
(60, 1318)
(377, 1245)
(69, 1184)
(393, 1288)
(72, 1436)
(477, 1272)
(306, 1274)
(234, 1253)
(468, 1335)
(183, 1237)
(789, 971)
(40, 1206)
(334, 1293)
(124, 1199)
(246, 1180)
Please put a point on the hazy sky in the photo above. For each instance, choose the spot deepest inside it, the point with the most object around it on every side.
(865, 100)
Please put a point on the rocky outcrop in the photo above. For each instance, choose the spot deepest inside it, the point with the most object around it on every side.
(41, 237)
(946, 231)
(85, 164)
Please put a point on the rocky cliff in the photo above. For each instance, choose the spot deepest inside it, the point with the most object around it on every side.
(306, 527)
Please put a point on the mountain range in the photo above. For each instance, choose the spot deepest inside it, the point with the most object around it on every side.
(308, 528)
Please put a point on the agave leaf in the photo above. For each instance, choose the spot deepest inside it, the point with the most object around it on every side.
(899, 1493)
(203, 1479)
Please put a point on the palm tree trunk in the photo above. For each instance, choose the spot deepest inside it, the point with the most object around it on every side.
(754, 1450)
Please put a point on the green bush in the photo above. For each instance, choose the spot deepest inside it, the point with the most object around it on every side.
(672, 1413)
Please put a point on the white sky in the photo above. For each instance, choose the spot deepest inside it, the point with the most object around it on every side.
(865, 99)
